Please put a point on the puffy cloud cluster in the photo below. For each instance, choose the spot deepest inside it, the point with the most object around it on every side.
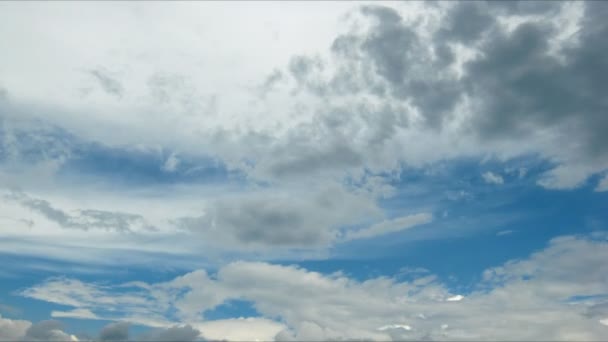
(52, 330)
(549, 295)
(21, 330)
(514, 79)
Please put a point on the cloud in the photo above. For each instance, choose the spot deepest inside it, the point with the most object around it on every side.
(390, 226)
(240, 329)
(279, 219)
(118, 331)
(505, 232)
(407, 84)
(12, 330)
(52, 330)
(270, 82)
(49, 330)
(176, 333)
(108, 83)
(544, 60)
(85, 219)
(540, 290)
(171, 163)
(492, 178)
(76, 313)
(602, 185)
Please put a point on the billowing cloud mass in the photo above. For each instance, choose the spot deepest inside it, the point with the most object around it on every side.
(550, 292)
(49, 330)
(115, 332)
(211, 171)
(13, 330)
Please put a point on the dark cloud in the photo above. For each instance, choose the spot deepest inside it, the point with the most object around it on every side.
(118, 331)
(519, 86)
(466, 22)
(518, 83)
(261, 221)
(49, 330)
(526, 7)
(390, 44)
(303, 159)
(270, 82)
(280, 220)
(395, 52)
(84, 219)
(108, 83)
(176, 333)
(306, 71)
(599, 310)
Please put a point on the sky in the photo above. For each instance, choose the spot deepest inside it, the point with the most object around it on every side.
(280, 171)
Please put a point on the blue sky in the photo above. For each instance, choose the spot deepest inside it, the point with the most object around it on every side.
(303, 171)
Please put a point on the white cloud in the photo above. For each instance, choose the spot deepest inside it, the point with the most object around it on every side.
(171, 163)
(13, 330)
(206, 96)
(342, 112)
(602, 185)
(455, 298)
(492, 178)
(336, 116)
(390, 226)
(395, 326)
(240, 329)
(76, 313)
(537, 291)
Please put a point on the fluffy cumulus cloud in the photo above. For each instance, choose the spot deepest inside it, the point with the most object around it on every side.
(545, 296)
(22, 330)
(52, 330)
(280, 219)
(13, 330)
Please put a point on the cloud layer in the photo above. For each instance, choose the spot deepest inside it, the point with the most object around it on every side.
(549, 295)
(237, 143)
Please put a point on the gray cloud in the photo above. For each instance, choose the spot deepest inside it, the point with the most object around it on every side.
(118, 331)
(306, 71)
(108, 83)
(12, 330)
(466, 22)
(52, 330)
(270, 82)
(403, 59)
(525, 7)
(520, 81)
(175, 333)
(84, 219)
(267, 219)
(49, 330)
